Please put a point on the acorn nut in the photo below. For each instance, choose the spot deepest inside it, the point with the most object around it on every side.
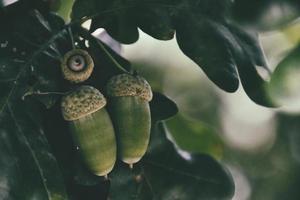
(91, 128)
(77, 65)
(130, 113)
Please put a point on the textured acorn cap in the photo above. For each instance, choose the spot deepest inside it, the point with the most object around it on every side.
(129, 85)
(77, 76)
(82, 101)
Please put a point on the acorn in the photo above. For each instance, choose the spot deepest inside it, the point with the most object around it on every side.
(91, 128)
(129, 97)
(77, 65)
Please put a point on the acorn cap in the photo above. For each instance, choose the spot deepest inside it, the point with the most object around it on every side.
(129, 85)
(82, 101)
(77, 65)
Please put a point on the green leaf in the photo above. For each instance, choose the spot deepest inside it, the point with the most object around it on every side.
(284, 85)
(121, 19)
(206, 42)
(47, 78)
(44, 47)
(156, 21)
(195, 136)
(116, 17)
(63, 8)
(162, 107)
(27, 62)
(25, 154)
(121, 27)
(220, 47)
(250, 43)
(247, 58)
(83, 8)
(213, 9)
(93, 192)
(254, 85)
(163, 174)
(123, 32)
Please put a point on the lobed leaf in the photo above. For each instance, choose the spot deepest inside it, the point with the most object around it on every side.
(162, 107)
(206, 43)
(246, 59)
(164, 174)
(26, 157)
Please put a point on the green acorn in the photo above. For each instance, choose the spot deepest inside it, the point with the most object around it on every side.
(77, 65)
(130, 112)
(91, 128)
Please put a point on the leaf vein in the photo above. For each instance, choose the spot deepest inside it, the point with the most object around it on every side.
(30, 149)
(183, 173)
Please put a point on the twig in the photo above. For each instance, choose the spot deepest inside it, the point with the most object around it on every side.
(30, 93)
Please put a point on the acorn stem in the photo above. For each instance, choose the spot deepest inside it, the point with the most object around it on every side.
(71, 37)
(39, 93)
(112, 58)
(88, 35)
(131, 166)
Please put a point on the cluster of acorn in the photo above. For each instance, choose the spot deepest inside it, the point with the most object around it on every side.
(100, 136)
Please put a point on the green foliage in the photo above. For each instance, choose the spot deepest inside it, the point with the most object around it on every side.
(30, 74)
(198, 137)
(160, 102)
(284, 86)
(27, 163)
(202, 32)
(38, 157)
(212, 52)
(158, 175)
